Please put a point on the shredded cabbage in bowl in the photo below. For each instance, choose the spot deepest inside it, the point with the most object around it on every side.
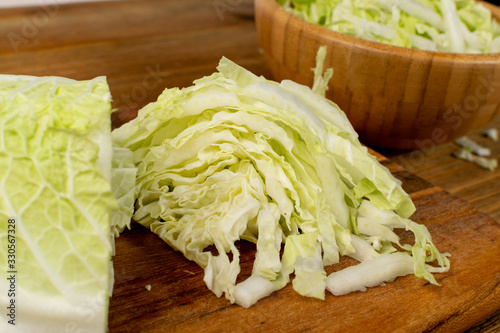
(460, 26)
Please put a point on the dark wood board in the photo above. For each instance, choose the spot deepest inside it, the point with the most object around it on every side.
(179, 301)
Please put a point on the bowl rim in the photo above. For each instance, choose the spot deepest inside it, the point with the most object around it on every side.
(382, 47)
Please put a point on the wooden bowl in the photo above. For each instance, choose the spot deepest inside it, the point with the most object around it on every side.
(395, 97)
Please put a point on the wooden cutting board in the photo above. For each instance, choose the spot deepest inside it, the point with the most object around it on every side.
(179, 301)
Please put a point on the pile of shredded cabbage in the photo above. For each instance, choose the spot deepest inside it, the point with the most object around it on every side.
(236, 156)
(461, 26)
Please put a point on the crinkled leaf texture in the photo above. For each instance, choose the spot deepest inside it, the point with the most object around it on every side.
(55, 153)
(236, 156)
(123, 173)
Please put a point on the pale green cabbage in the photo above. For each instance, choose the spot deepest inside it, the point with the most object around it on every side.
(123, 175)
(55, 157)
(236, 156)
(463, 26)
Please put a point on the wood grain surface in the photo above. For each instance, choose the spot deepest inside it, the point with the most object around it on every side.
(145, 46)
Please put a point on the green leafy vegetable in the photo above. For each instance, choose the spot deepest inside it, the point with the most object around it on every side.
(474, 147)
(486, 163)
(236, 156)
(492, 133)
(123, 185)
(55, 203)
(464, 26)
(473, 152)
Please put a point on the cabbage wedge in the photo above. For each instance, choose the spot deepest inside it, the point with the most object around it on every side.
(236, 156)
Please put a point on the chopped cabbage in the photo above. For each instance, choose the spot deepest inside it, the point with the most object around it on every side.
(123, 172)
(236, 156)
(462, 26)
(474, 147)
(492, 133)
(371, 273)
(486, 163)
(55, 204)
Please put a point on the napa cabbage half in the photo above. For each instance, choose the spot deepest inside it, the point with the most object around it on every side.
(56, 203)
